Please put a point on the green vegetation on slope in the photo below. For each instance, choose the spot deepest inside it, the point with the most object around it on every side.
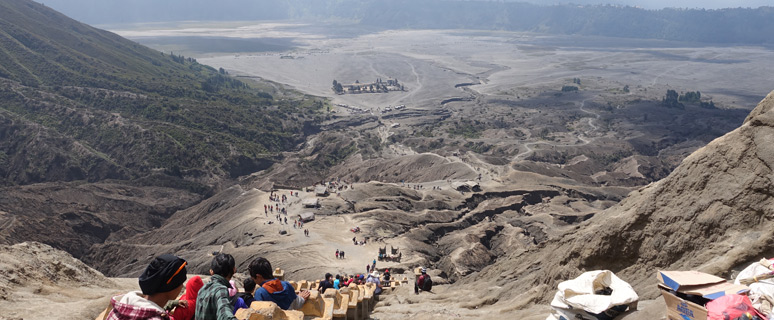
(81, 103)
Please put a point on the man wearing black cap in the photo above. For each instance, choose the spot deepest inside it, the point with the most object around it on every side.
(162, 281)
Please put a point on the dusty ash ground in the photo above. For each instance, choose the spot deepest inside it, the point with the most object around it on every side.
(501, 88)
(548, 160)
(430, 62)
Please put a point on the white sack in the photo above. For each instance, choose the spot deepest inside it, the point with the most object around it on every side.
(579, 292)
(758, 289)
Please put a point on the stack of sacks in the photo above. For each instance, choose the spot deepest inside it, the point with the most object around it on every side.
(758, 276)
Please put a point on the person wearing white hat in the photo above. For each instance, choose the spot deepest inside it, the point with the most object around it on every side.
(374, 278)
(423, 282)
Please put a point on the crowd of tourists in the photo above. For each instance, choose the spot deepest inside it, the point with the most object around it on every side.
(281, 216)
(162, 281)
(343, 281)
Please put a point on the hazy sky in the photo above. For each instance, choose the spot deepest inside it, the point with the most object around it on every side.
(131, 11)
(659, 4)
(649, 4)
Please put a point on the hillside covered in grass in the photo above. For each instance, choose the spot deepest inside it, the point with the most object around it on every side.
(103, 138)
(79, 103)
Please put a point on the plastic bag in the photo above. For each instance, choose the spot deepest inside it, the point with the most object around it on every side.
(761, 292)
(731, 306)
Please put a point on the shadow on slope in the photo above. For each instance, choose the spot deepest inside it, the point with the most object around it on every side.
(712, 213)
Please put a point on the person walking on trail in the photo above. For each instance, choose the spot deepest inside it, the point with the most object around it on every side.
(337, 253)
(341, 255)
(368, 268)
(374, 278)
(214, 301)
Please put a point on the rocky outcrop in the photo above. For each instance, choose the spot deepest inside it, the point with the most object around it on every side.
(34, 263)
(73, 216)
(40, 282)
(714, 212)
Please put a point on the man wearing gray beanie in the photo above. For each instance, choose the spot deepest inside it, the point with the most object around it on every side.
(161, 281)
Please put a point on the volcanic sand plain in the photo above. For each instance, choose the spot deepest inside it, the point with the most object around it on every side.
(511, 81)
(431, 62)
(463, 75)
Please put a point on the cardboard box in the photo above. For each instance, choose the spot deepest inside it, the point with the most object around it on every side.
(693, 283)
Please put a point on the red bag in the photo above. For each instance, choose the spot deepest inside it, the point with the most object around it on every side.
(731, 306)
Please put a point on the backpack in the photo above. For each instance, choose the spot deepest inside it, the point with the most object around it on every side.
(427, 285)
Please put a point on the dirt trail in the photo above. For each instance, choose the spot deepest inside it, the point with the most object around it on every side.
(327, 233)
(412, 91)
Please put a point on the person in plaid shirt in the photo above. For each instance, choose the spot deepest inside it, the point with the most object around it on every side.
(214, 301)
(161, 281)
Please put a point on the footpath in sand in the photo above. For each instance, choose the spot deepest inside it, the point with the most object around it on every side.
(328, 232)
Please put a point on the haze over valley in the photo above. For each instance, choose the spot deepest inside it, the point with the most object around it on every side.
(504, 146)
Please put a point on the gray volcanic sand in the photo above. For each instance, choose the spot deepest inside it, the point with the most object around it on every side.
(430, 62)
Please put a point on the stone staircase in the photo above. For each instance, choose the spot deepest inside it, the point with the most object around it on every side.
(355, 302)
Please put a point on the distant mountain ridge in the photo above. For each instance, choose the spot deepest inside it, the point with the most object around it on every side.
(737, 25)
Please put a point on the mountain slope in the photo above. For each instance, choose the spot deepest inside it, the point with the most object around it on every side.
(715, 212)
(131, 109)
(39, 281)
(80, 106)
